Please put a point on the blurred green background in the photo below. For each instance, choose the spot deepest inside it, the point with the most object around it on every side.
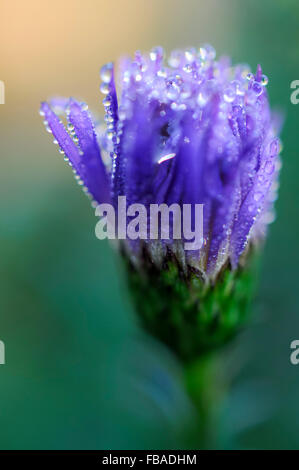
(79, 374)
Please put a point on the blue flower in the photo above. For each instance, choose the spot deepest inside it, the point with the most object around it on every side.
(193, 131)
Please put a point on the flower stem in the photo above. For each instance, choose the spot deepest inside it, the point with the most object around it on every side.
(207, 388)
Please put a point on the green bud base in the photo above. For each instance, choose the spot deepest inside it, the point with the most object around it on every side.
(188, 315)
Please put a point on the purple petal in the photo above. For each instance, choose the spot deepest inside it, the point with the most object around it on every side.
(86, 162)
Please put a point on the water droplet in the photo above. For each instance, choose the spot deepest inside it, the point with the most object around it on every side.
(104, 88)
(106, 72)
(126, 77)
(187, 68)
(237, 110)
(175, 58)
(210, 51)
(257, 88)
(264, 80)
(207, 90)
(109, 118)
(229, 94)
(186, 90)
(162, 73)
(201, 99)
(107, 101)
(202, 53)
(239, 90)
(182, 107)
(269, 168)
(121, 113)
(261, 178)
(169, 156)
(257, 196)
(190, 55)
(274, 147)
(173, 90)
(156, 53)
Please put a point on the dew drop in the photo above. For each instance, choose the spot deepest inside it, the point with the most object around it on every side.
(107, 101)
(106, 72)
(175, 58)
(269, 168)
(169, 156)
(121, 113)
(156, 53)
(264, 80)
(173, 90)
(257, 196)
(261, 178)
(210, 51)
(274, 147)
(187, 68)
(104, 88)
(202, 53)
(186, 90)
(229, 94)
(201, 99)
(257, 88)
(239, 90)
(190, 55)
(162, 73)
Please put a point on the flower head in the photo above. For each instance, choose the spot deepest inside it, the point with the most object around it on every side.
(194, 130)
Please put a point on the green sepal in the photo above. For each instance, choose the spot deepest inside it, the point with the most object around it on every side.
(189, 315)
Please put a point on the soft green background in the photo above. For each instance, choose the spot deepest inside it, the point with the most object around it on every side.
(79, 373)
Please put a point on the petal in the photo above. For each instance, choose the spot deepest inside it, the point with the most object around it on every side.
(95, 173)
(86, 160)
(250, 209)
(65, 142)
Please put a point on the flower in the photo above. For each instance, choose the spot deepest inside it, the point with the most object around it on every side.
(194, 131)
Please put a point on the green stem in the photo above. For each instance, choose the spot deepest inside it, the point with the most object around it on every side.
(207, 389)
